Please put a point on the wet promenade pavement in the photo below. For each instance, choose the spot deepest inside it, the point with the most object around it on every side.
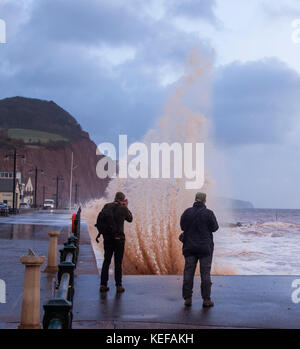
(240, 302)
(149, 301)
(30, 230)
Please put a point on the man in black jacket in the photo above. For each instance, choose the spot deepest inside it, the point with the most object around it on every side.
(110, 223)
(198, 223)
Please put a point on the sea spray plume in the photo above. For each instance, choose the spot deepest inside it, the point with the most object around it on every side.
(152, 245)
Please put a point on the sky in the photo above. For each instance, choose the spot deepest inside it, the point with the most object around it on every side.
(112, 64)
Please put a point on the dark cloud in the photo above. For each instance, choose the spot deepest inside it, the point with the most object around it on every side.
(113, 22)
(49, 57)
(255, 102)
(88, 22)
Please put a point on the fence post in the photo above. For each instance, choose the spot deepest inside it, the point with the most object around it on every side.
(52, 253)
(77, 224)
(69, 246)
(30, 316)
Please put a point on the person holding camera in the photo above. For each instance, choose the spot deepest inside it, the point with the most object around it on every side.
(198, 223)
(110, 224)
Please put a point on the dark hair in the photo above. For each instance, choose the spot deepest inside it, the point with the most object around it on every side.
(119, 196)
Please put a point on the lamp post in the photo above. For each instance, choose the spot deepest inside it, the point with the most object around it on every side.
(71, 179)
(44, 189)
(58, 178)
(36, 170)
(14, 180)
(76, 192)
(15, 155)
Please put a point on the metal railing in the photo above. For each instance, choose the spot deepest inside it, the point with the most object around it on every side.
(58, 311)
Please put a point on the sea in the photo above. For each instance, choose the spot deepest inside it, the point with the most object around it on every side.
(265, 242)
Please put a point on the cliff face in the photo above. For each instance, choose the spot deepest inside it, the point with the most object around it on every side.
(53, 157)
(57, 162)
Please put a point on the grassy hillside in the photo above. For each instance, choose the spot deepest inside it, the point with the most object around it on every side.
(37, 115)
(33, 136)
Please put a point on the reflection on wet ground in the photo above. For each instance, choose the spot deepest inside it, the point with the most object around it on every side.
(50, 218)
(33, 225)
(25, 231)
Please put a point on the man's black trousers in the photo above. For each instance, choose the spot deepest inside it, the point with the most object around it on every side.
(113, 247)
(189, 273)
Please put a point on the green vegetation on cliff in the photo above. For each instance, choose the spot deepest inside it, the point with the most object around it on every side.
(34, 120)
(33, 136)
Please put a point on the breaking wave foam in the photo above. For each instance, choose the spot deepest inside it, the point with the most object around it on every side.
(152, 245)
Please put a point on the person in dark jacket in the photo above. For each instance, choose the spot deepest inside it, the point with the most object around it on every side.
(198, 223)
(114, 239)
